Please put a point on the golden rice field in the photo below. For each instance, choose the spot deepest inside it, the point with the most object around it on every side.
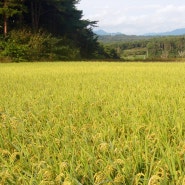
(90, 123)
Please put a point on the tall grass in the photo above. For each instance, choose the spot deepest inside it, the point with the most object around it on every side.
(92, 123)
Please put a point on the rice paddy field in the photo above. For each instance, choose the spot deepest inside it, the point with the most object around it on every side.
(85, 123)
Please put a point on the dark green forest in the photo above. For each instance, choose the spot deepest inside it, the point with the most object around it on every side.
(48, 30)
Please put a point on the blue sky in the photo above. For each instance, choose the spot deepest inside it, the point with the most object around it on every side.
(135, 16)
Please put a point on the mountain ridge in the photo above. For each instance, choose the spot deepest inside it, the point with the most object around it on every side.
(175, 32)
(104, 33)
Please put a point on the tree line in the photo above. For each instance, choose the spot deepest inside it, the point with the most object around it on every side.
(163, 47)
(48, 29)
(167, 47)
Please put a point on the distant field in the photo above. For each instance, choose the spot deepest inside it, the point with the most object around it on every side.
(92, 123)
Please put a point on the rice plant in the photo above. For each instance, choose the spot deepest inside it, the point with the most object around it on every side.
(92, 123)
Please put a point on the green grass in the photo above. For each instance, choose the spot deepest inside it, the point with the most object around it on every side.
(92, 123)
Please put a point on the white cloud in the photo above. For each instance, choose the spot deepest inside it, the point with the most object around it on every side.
(135, 17)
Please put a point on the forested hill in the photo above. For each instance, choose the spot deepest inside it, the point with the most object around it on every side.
(121, 38)
(47, 29)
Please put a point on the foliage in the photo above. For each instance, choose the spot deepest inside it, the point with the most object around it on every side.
(92, 123)
(64, 36)
(23, 45)
(161, 48)
(10, 9)
(120, 39)
(167, 47)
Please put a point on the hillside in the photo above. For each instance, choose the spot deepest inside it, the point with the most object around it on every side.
(121, 38)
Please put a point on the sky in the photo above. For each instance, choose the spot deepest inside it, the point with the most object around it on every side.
(135, 16)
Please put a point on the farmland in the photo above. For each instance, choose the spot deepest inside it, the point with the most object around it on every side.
(92, 123)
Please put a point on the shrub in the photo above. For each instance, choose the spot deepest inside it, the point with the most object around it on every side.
(23, 45)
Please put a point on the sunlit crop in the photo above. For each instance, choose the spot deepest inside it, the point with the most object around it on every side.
(92, 123)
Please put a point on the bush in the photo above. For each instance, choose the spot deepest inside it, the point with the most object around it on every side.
(16, 52)
(23, 45)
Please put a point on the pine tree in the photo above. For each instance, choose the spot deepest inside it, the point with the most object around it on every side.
(10, 8)
(58, 18)
(61, 18)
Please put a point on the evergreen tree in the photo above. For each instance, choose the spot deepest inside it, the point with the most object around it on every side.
(8, 9)
(59, 19)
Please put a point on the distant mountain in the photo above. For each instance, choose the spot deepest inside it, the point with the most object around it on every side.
(118, 37)
(176, 32)
(103, 33)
